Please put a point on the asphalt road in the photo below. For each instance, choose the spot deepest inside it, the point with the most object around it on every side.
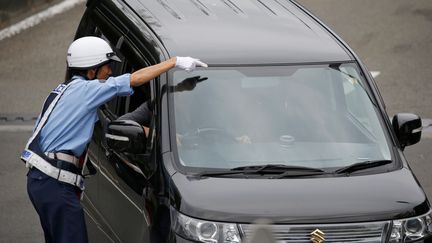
(393, 37)
(390, 36)
(31, 64)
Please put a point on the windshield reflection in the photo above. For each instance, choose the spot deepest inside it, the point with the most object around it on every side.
(314, 115)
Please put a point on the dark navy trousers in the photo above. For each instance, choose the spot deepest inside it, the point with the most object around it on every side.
(59, 208)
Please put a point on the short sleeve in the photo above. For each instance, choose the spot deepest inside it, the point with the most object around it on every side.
(98, 92)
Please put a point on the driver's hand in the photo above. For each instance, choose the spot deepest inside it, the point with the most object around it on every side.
(245, 139)
(146, 131)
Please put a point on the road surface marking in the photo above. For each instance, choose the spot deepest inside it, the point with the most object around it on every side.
(38, 18)
(16, 128)
(427, 128)
(375, 73)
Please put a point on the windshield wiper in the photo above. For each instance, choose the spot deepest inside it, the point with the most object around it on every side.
(294, 173)
(279, 170)
(274, 169)
(217, 173)
(362, 165)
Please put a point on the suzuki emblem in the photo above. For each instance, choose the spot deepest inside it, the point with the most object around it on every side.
(317, 236)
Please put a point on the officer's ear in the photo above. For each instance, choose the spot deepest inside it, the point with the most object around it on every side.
(91, 74)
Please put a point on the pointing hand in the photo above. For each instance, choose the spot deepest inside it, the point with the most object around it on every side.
(189, 63)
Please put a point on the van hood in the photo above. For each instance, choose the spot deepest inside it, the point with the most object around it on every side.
(376, 197)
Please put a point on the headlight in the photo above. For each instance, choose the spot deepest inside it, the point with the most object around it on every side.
(407, 230)
(204, 231)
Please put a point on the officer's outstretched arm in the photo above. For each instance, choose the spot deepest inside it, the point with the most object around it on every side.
(146, 74)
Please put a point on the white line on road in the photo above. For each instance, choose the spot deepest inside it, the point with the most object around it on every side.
(16, 128)
(375, 73)
(37, 18)
(427, 128)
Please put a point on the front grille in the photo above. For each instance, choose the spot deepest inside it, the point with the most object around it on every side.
(361, 232)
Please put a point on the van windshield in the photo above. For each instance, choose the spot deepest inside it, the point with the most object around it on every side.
(317, 116)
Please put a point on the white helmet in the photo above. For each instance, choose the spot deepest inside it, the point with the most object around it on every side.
(89, 52)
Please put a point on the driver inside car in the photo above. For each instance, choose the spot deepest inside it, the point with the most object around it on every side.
(143, 114)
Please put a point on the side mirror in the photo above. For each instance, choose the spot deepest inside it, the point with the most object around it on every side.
(407, 128)
(126, 136)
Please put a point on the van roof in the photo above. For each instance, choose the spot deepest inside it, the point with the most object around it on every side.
(240, 32)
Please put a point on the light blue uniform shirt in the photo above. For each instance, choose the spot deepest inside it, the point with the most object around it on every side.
(70, 125)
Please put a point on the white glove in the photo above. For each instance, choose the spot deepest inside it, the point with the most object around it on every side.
(189, 63)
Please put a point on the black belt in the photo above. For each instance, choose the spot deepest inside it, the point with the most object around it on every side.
(63, 165)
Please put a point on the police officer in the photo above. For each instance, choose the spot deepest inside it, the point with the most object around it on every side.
(65, 127)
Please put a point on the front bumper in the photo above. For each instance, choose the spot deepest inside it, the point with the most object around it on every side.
(178, 239)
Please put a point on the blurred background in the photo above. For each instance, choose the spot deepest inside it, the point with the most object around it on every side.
(392, 37)
(13, 10)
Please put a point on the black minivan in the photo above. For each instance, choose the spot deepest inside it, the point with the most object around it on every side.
(286, 124)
